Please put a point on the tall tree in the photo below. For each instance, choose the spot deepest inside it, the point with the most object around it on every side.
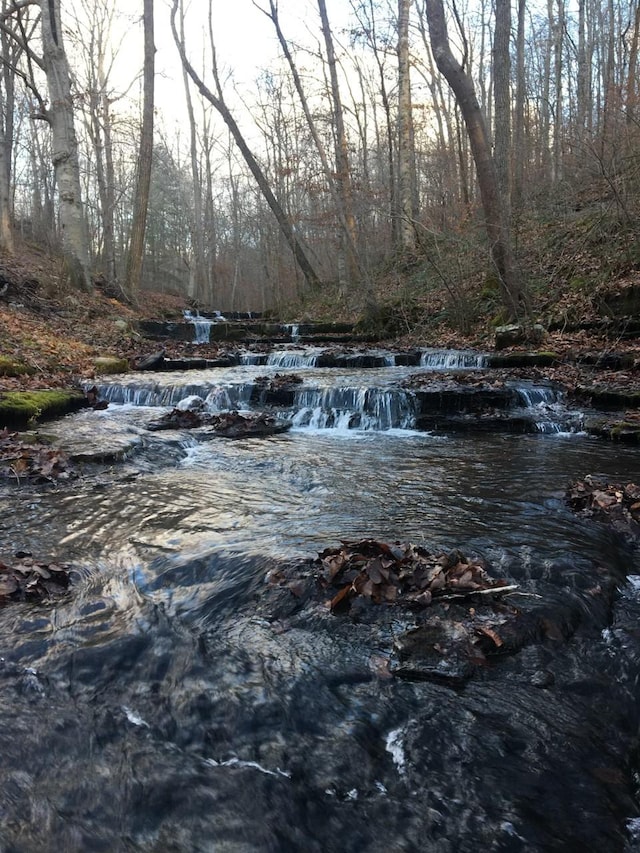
(519, 140)
(141, 201)
(198, 274)
(502, 100)
(343, 169)
(217, 101)
(345, 216)
(406, 155)
(492, 202)
(75, 238)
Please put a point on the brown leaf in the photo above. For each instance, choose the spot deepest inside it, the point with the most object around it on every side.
(491, 634)
(340, 598)
(8, 585)
(374, 570)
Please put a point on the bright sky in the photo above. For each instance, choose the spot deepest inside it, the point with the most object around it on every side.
(245, 38)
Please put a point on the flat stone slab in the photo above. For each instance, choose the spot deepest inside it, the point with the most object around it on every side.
(82, 443)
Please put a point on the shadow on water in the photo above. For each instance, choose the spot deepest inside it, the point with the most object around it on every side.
(162, 706)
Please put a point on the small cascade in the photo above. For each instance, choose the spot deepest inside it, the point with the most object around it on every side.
(151, 394)
(538, 395)
(291, 360)
(452, 360)
(202, 325)
(218, 398)
(545, 407)
(253, 358)
(293, 330)
(353, 408)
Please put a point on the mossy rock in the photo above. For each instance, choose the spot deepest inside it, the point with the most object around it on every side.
(622, 431)
(110, 364)
(20, 408)
(611, 398)
(11, 367)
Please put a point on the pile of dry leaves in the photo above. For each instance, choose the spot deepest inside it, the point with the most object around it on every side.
(612, 503)
(29, 580)
(397, 573)
(33, 462)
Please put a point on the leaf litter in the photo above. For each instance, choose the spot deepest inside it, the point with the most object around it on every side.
(27, 579)
(615, 504)
(32, 461)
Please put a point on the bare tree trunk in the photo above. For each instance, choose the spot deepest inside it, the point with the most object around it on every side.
(75, 240)
(520, 154)
(6, 229)
(7, 104)
(218, 102)
(463, 89)
(196, 228)
(632, 78)
(406, 153)
(502, 102)
(558, 43)
(141, 202)
(343, 170)
(346, 219)
(582, 104)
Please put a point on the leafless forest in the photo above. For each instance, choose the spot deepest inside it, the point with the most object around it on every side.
(442, 130)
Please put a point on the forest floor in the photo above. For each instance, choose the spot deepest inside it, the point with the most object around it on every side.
(57, 334)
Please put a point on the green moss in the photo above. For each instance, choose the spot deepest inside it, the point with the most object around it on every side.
(19, 408)
(109, 364)
(11, 367)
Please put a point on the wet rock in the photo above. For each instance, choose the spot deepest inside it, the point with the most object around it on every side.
(234, 425)
(149, 362)
(515, 334)
(225, 425)
(192, 403)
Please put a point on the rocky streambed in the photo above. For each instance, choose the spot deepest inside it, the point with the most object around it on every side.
(361, 633)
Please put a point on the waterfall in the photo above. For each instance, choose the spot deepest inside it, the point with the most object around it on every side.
(354, 408)
(202, 326)
(291, 360)
(452, 360)
(293, 330)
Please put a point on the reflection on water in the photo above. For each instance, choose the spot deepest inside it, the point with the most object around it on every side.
(156, 710)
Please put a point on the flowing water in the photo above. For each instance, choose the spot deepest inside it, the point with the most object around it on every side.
(159, 707)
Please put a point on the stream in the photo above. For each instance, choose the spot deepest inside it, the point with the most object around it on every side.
(160, 706)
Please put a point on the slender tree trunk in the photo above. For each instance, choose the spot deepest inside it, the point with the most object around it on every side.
(75, 239)
(406, 153)
(582, 104)
(463, 89)
(502, 102)
(6, 228)
(558, 44)
(343, 170)
(135, 257)
(219, 104)
(520, 153)
(347, 236)
(196, 228)
(7, 103)
(632, 77)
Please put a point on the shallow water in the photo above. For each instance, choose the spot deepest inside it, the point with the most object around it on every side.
(159, 708)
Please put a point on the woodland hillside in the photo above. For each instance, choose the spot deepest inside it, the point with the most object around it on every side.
(411, 165)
